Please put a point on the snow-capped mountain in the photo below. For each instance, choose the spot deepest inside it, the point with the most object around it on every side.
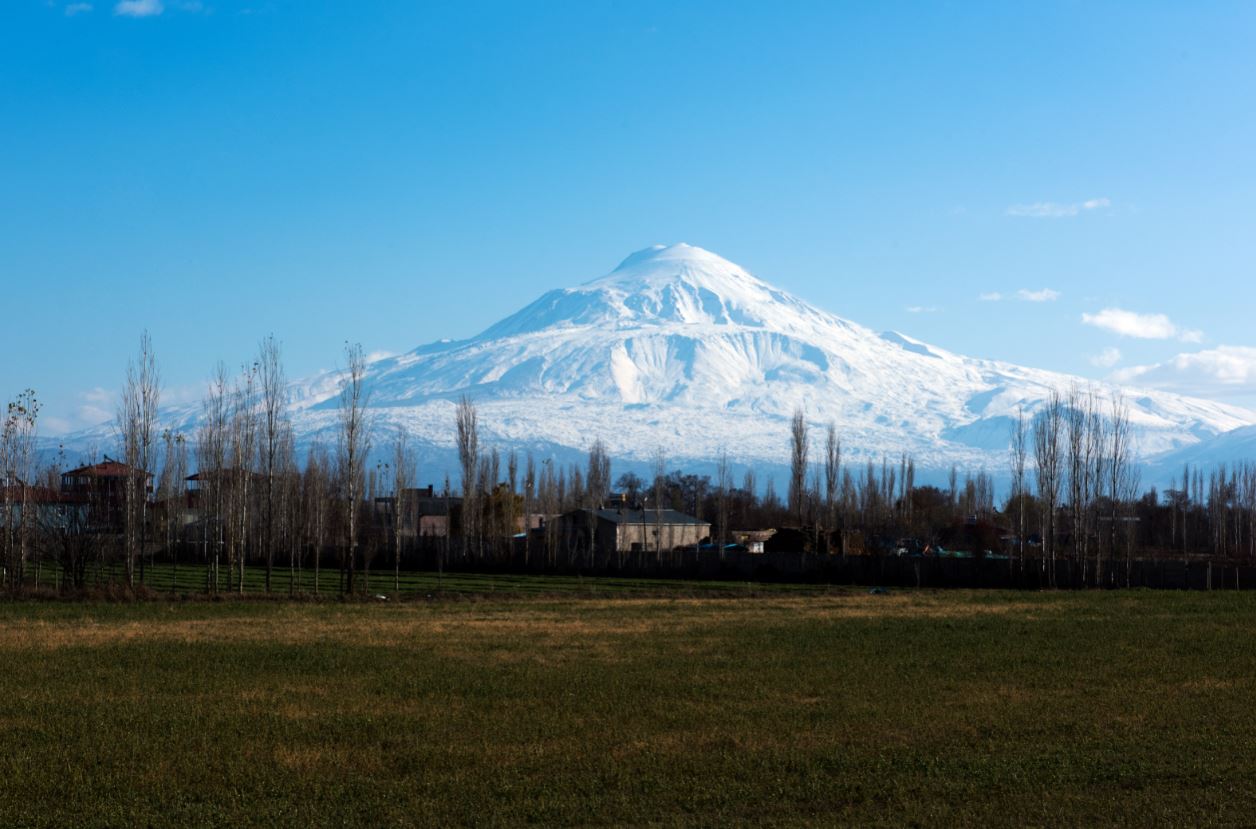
(682, 350)
(1229, 448)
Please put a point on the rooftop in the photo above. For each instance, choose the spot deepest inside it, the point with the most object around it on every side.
(108, 468)
(647, 516)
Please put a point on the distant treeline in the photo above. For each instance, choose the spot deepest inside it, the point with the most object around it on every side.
(235, 493)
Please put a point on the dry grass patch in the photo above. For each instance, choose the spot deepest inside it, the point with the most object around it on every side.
(538, 621)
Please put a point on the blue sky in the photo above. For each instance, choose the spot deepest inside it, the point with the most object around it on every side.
(398, 172)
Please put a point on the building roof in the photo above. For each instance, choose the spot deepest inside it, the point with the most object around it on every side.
(647, 516)
(108, 468)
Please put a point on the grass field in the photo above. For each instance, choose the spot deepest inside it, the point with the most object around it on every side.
(190, 581)
(837, 707)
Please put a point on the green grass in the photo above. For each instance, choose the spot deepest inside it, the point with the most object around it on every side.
(934, 708)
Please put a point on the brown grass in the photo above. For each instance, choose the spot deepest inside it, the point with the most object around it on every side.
(540, 620)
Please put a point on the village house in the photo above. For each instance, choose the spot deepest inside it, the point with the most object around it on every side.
(425, 512)
(428, 514)
(39, 507)
(102, 487)
(622, 530)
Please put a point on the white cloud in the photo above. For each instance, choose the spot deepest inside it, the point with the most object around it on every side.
(184, 395)
(98, 406)
(77, 8)
(1043, 210)
(1226, 369)
(1106, 358)
(1024, 295)
(381, 354)
(921, 309)
(1192, 336)
(1141, 326)
(139, 8)
(91, 408)
(53, 426)
(1056, 210)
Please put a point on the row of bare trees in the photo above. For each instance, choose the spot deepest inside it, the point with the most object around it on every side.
(1085, 472)
(1212, 511)
(253, 501)
(249, 501)
(1084, 485)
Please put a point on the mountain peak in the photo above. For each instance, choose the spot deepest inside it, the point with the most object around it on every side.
(683, 267)
(678, 284)
(678, 252)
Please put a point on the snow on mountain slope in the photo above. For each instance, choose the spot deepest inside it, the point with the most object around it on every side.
(680, 349)
(1228, 448)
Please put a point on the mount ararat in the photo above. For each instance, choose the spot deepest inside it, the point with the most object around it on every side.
(681, 350)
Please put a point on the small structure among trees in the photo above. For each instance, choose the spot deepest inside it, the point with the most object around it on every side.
(608, 532)
(103, 488)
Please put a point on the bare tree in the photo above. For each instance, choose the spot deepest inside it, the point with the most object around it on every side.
(211, 456)
(1122, 477)
(1019, 490)
(1084, 428)
(288, 502)
(468, 425)
(832, 472)
(798, 465)
(598, 479)
(490, 478)
(316, 489)
(404, 473)
(909, 486)
(814, 506)
(274, 406)
(660, 483)
(529, 503)
(173, 472)
(17, 453)
(953, 487)
(513, 501)
(1046, 433)
(136, 425)
(355, 445)
(242, 451)
(547, 493)
(1075, 425)
(723, 483)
